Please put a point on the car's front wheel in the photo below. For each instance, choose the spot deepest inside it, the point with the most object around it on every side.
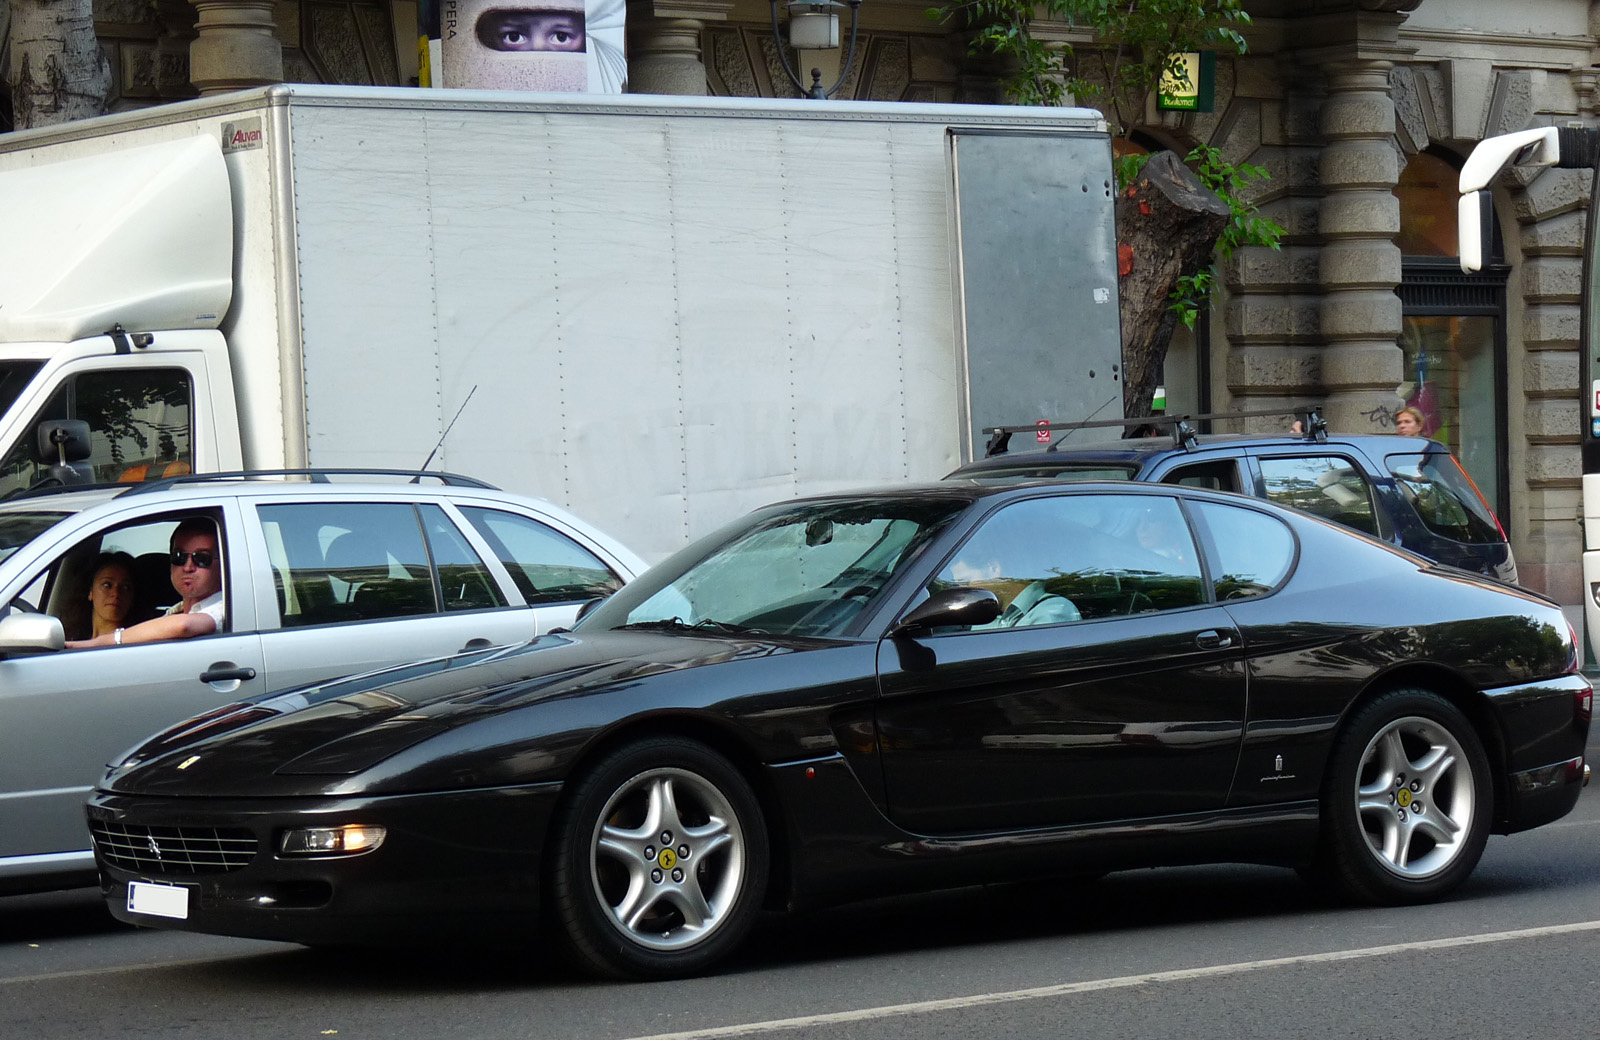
(1406, 802)
(660, 861)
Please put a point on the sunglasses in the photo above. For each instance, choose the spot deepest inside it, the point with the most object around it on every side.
(202, 558)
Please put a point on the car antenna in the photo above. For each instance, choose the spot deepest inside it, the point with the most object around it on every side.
(418, 479)
(1092, 414)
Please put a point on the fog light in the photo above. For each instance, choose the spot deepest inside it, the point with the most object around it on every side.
(332, 841)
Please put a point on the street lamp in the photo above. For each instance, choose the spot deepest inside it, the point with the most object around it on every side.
(814, 26)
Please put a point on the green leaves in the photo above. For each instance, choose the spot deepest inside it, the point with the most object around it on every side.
(1136, 43)
(1246, 227)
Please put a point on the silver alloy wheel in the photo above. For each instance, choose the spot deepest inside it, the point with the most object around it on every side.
(667, 859)
(1415, 797)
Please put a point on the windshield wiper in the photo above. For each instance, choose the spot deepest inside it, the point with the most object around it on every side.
(670, 624)
(677, 624)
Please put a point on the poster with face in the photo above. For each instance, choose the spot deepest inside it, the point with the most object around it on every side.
(555, 45)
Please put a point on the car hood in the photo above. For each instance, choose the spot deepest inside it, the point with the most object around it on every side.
(342, 728)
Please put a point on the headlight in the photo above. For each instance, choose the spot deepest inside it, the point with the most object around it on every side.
(348, 840)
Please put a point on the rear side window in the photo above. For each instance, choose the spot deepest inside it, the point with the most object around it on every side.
(1213, 476)
(347, 561)
(1327, 485)
(1253, 551)
(547, 566)
(1444, 497)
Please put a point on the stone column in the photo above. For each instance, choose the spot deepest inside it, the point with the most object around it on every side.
(1360, 263)
(237, 46)
(664, 44)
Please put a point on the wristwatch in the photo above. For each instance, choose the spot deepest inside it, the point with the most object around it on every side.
(116, 637)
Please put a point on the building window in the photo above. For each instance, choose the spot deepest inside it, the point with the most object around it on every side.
(1454, 328)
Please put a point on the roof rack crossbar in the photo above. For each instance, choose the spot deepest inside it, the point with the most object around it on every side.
(317, 476)
(1183, 435)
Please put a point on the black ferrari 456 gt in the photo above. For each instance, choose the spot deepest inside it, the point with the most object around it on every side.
(875, 692)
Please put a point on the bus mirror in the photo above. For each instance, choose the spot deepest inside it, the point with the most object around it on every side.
(1471, 229)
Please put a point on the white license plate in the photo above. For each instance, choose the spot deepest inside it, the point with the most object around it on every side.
(158, 900)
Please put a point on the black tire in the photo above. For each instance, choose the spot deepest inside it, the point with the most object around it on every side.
(1406, 801)
(624, 903)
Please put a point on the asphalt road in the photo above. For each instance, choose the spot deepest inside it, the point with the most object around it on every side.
(1197, 953)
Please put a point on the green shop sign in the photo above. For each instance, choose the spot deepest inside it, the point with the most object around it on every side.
(1192, 85)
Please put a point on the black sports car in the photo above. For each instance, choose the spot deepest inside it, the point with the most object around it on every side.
(873, 692)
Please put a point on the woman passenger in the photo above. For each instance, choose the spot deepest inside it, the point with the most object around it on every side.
(111, 594)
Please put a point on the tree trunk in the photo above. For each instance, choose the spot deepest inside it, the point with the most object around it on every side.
(57, 72)
(1167, 226)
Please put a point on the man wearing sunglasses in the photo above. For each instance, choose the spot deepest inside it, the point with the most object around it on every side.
(197, 579)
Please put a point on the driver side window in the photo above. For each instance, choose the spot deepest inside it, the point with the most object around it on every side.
(112, 579)
(1078, 558)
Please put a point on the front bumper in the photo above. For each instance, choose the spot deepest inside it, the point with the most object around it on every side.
(460, 864)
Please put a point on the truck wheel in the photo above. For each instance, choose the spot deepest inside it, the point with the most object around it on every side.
(1406, 802)
(660, 861)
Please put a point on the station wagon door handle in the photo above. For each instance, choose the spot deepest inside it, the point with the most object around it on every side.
(1211, 639)
(222, 671)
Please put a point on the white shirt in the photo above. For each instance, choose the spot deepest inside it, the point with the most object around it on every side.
(212, 605)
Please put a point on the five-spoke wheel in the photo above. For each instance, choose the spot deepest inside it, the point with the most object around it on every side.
(661, 860)
(1406, 803)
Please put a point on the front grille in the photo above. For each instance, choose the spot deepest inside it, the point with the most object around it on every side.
(173, 850)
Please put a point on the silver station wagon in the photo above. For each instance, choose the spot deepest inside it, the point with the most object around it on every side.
(321, 577)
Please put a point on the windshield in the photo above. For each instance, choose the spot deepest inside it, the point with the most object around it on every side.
(14, 376)
(808, 569)
(18, 529)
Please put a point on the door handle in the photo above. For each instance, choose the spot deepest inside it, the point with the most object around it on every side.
(477, 643)
(222, 671)
(1211, 639)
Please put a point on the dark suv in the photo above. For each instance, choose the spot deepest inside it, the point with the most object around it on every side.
(1408, 491)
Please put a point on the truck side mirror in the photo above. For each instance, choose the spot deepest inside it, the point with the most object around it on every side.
(959, 606)
(25, 634)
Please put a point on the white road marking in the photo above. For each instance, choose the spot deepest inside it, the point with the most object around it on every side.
(1123, 982)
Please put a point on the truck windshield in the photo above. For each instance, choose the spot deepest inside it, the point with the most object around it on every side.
(14, 375)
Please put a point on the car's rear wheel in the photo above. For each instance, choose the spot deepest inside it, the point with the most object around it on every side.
(1406, 802)
(660, 861)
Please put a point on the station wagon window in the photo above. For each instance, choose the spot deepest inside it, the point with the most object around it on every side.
(1445, 498)
(1252, 551)
(347, 561)
(140, 422)
(1055, 560)
(547, 566)
(1329, 486)
(1214, 476)
(464, 582)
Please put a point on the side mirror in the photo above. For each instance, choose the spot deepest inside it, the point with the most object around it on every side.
(24, 634)
(1473, 213)
(588, 608)
(962, 606)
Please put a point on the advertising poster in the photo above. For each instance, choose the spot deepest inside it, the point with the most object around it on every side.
(554, 45)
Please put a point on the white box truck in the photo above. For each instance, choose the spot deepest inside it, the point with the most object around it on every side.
(658, 312)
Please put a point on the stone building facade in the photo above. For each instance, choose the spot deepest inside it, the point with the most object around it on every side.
(1360, 110)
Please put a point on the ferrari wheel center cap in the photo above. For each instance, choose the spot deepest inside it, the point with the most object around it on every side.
(668, 859)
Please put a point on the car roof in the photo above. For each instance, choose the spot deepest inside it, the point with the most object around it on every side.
(1142, 450)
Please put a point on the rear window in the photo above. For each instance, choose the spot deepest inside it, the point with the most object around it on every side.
(1444, 498)
(1021, 473)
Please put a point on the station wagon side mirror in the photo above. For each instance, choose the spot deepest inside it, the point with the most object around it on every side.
(962, 606)
(25, 634)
